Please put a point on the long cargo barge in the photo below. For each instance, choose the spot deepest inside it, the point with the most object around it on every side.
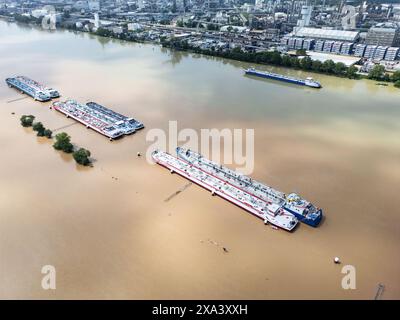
(88, 117)
(304, 211)
(99, 118)
(309, 82)
(269, 210)
(31, 91)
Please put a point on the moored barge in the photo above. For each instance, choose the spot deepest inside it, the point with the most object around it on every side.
(31, 91)
(292, 203)
(88, 117)
(269, 210)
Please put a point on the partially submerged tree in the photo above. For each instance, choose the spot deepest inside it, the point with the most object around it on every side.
(39, 128)
(63, 142)
(81, 156)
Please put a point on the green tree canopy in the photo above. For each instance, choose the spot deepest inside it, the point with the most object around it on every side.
(316, 65)
(352, 72)
(328, 66)
(340, 68)
(39, 128)
(286, 60)
(63, 142)
(306, 63)
(377, 72)
(396, 76)
(48, 133)
(294, 62)
(275, 58)
(104, 32)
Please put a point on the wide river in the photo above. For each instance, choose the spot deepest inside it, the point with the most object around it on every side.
(117, 231)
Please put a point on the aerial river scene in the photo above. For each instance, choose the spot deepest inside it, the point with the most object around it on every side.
(124, 228)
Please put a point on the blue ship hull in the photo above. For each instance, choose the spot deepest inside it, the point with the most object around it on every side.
(311, 222)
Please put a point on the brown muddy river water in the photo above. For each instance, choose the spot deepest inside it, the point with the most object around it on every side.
(110, 233)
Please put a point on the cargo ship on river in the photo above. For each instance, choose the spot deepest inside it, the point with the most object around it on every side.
(309, 82)
(53, 93)
(99, 118)
(217, 179)
(88, 117)
(126, 124)
(304, 211)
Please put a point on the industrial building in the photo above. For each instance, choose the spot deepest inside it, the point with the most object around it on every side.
(384, 34)
(337, 46)
(326, 34)
(328, 46)
(308, 44)
(380, 52)
(359, 50)
(370, 51)
(376, 52)
(392, 53)
(299, 43)
(380, 42)
(319, 45)
(347, 48)
(322, 40)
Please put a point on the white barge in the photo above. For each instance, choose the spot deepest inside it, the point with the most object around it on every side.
(214, 179)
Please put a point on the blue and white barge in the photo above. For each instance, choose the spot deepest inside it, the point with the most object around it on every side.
(35, 93)
(309, 82)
